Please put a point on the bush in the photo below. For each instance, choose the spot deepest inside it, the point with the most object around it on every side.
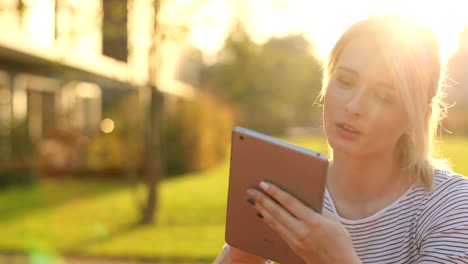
(113, 153)
(17, 172)
(60, 151)
(196, 134)
(19, 167)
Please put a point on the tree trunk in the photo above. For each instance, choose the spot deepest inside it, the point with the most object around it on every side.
(154, 114)
(154, 169)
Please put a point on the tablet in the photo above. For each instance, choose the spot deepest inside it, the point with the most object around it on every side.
(256, 157)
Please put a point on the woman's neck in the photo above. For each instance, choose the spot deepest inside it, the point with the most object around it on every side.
(361, 187)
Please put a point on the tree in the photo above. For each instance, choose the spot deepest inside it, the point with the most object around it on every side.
(162, 30)
(152, 130)
(457, 83)
(273, 86)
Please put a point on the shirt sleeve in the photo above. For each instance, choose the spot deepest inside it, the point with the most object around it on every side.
(445, 239)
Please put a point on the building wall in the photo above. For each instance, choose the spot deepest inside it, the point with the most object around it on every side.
(68, 32)
(72, 29)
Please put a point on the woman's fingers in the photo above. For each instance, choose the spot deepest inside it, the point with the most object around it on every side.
(274, 215)
(264, 203)
(311, 235)
(286, 215)
(293, 205)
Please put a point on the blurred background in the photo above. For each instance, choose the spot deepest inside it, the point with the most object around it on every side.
(115, 115)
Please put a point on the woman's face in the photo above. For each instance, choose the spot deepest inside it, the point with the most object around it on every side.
(363, 114)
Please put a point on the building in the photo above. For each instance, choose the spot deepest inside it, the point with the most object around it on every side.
(62, 63)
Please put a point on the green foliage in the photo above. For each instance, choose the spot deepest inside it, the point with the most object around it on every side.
(19, 168)
(106, 152)
(273, 86)
(22, 175)
(20, 142)
(196, 134)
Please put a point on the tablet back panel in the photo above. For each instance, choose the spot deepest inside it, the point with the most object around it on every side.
(256, 157)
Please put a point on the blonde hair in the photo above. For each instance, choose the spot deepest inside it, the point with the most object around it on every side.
(411, 52)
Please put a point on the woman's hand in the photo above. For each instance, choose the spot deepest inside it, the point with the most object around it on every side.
(232, 255)
(314, 237)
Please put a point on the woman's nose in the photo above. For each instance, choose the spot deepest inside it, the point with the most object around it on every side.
(356, 104)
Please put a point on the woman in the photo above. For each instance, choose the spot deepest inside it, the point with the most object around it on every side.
(387, 199)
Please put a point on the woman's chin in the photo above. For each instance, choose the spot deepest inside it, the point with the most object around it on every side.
(346, 147)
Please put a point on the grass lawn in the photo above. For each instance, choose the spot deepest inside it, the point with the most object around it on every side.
(95, 217)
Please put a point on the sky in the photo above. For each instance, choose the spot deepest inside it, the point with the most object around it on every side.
(322, 21)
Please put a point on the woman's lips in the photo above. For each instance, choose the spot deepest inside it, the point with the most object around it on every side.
(348, 131)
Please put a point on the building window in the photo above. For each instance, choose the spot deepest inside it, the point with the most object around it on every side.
(114, 29)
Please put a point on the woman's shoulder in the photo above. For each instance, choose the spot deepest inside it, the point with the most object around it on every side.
(449, 192)
(446, 181)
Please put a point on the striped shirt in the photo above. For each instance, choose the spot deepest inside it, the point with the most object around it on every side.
(420, 227)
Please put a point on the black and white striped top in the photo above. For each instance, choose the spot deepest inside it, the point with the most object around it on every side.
(420, 227)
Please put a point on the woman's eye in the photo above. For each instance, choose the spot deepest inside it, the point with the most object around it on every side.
(345, 81)
(384, 97)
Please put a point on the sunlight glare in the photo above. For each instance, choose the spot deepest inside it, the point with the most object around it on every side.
(446, 19)
(210, 25)
(39, 21)
(322, 23)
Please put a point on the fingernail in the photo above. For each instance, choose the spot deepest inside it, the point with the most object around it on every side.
(260, 215)
(264, 185)
(251, 201)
